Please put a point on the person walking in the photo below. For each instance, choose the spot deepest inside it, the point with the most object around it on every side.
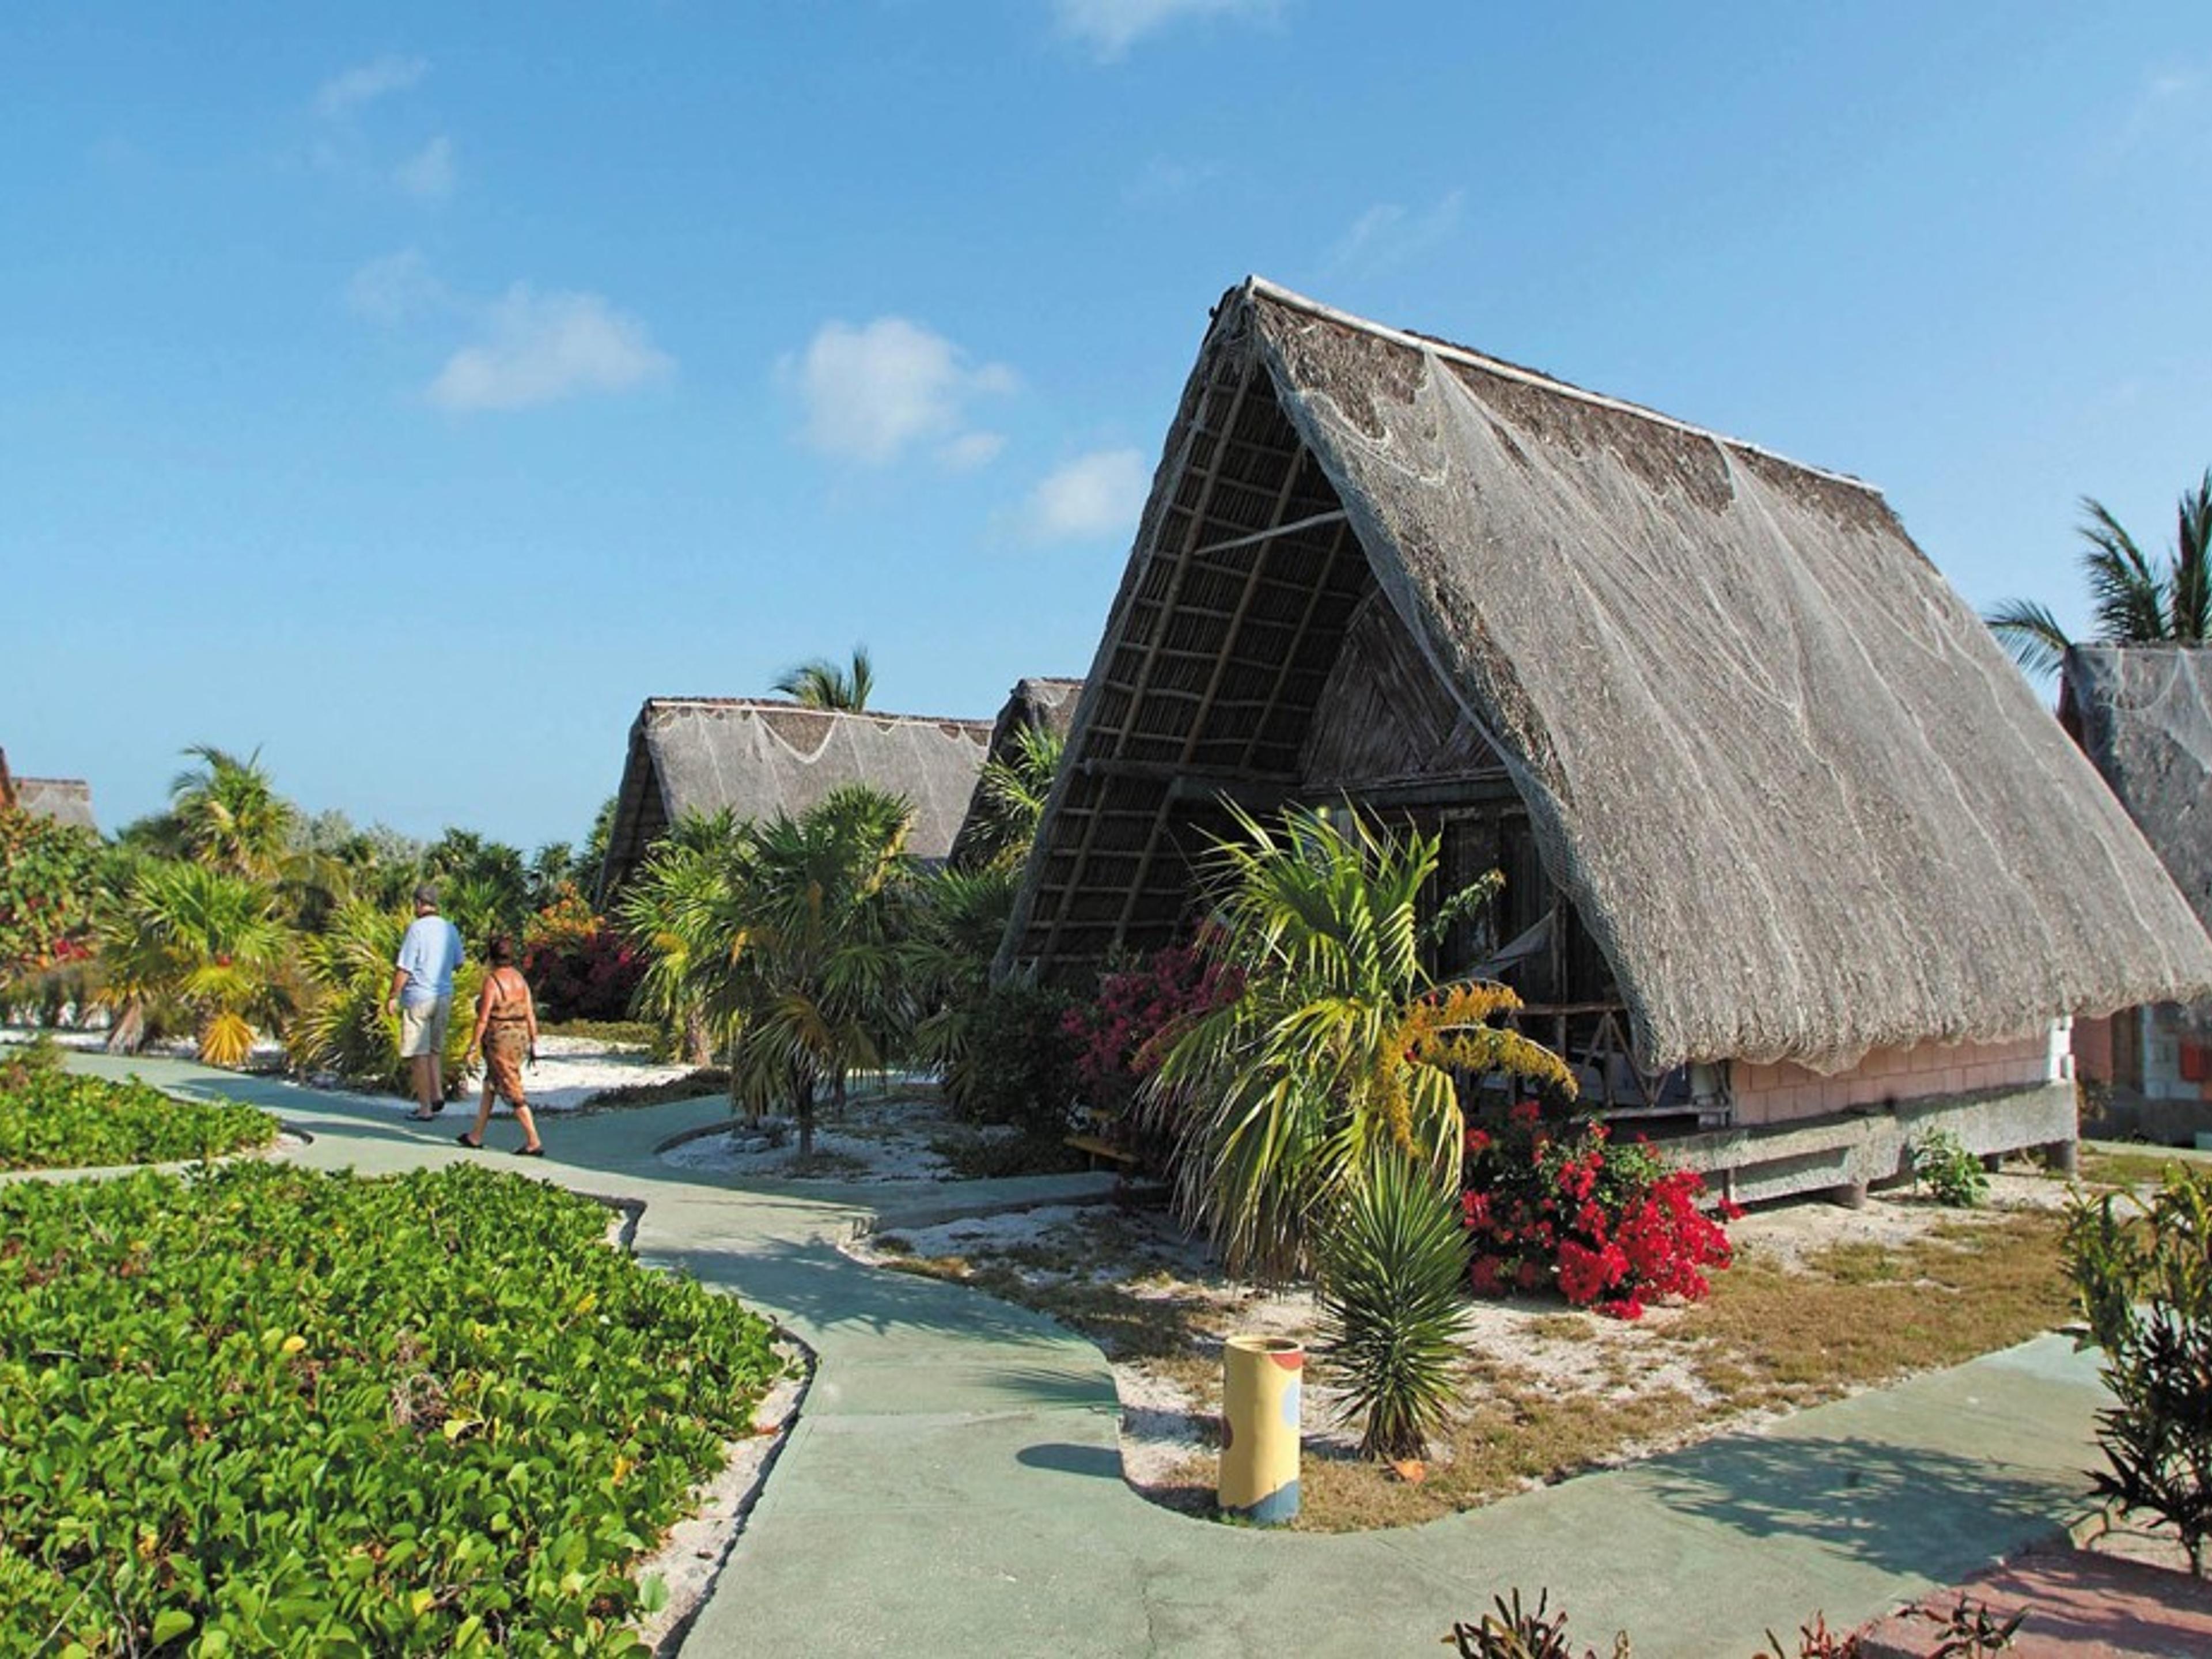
(423, 997)
(506, 1032)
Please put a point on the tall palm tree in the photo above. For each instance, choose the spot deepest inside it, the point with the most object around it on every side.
(815, 992)
(1012, 792)
(229, 815)
(821, 683)
(1339, 1052)
(2134, 601)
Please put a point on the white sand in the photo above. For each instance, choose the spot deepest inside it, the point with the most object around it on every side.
(878, 1138)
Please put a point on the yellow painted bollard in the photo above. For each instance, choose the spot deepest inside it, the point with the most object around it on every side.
(1260, 1389)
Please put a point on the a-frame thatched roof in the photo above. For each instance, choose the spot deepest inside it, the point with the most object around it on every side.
(2144, 717)
(761, 757)
(65, 801)
(1036, 704)
(1801, 800)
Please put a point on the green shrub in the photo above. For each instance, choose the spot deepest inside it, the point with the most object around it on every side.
(1020, 1065)
(2144, 1279)
(52, 1120)
(1953, 1175)
(1392, 1271)
(285, 1412)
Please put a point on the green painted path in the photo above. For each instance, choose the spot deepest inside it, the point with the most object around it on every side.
(953, 1485)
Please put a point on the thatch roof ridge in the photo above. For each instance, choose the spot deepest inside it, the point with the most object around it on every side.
(1534, 377)
(1801, 800)
(786, 705)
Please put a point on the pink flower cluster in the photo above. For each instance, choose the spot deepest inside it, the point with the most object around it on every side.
(1612, 1228)
(1119, 1036)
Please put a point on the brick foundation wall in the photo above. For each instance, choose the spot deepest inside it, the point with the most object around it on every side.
(1785, 1092)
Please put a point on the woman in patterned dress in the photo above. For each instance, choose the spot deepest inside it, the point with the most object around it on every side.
(506, 1030)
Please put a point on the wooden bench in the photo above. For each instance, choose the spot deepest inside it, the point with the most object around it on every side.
(1096, 1142)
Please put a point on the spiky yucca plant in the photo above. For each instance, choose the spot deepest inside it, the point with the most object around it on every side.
(1392, 1300)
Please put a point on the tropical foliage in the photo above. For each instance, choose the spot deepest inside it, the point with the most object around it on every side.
(199, 947)
(1010, 793)
(50, 1119)
(2135, 599)
(1393, 1301)
(1341, 1051)
(478, 1416)
(821, 684)
(49, 894)
(345, 1029)
(2143, 1271)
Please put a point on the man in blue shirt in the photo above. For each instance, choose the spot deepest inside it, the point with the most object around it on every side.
(423, 997)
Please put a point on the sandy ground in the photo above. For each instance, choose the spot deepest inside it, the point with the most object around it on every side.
(1169, 1408)
(878, 1138)
(568, 1072)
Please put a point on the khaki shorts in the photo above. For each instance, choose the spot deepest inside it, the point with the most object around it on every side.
(423, 1027)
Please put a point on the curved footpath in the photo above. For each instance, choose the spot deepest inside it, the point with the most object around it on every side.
(953, 1485)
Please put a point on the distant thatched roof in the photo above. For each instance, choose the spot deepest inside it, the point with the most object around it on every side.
(1801, 801)
(2144, 714)
(65, 801)
(1035, 704)
(760, 756)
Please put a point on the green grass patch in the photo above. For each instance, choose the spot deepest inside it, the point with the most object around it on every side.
(53, 1120)
(276, 1411)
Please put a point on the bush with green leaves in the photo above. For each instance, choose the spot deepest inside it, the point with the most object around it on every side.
(279, 1411)
(52, 1119)
(49, 895)
(1392, 1271)
(2143, 1271)
(1954, 1175)
(1020, 1065)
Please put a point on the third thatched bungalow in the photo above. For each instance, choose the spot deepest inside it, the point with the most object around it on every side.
(759, 756)
(2144, 715)
(1038, 703)
(1796, 863)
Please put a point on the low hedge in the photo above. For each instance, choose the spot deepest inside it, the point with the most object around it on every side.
(55, 1120)
(264, 1410)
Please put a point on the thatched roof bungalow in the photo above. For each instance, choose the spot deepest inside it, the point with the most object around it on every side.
(761, 757)
(1036, 704)
(1786, 835)
(65, 801)
(2142, 713)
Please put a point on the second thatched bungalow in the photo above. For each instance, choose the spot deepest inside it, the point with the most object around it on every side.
(759, 756)
(1796, 866)
(1038, 703)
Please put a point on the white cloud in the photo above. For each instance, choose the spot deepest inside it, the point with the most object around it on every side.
(871, 392)
(971, 450)
(396, 287)
(1388, 235)
(1164, 182)
(429, 174)
(1110, 27)
(543, 347)
(365, 83)
(1091, 497)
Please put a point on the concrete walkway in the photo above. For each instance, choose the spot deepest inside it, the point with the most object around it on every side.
(953, 1485)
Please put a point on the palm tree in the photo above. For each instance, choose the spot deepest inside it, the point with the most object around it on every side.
(680, 912)
(343, 1028)
(2134, 602)
(814, 992)
(958, 919)
(821, 683)
(229, 815)
(204, 944)
(1339, 1052)
(1012, 793)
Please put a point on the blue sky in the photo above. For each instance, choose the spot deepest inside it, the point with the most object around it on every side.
(409, 390)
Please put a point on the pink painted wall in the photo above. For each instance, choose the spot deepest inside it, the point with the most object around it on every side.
(2092, 1049)
(1779, 1093)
